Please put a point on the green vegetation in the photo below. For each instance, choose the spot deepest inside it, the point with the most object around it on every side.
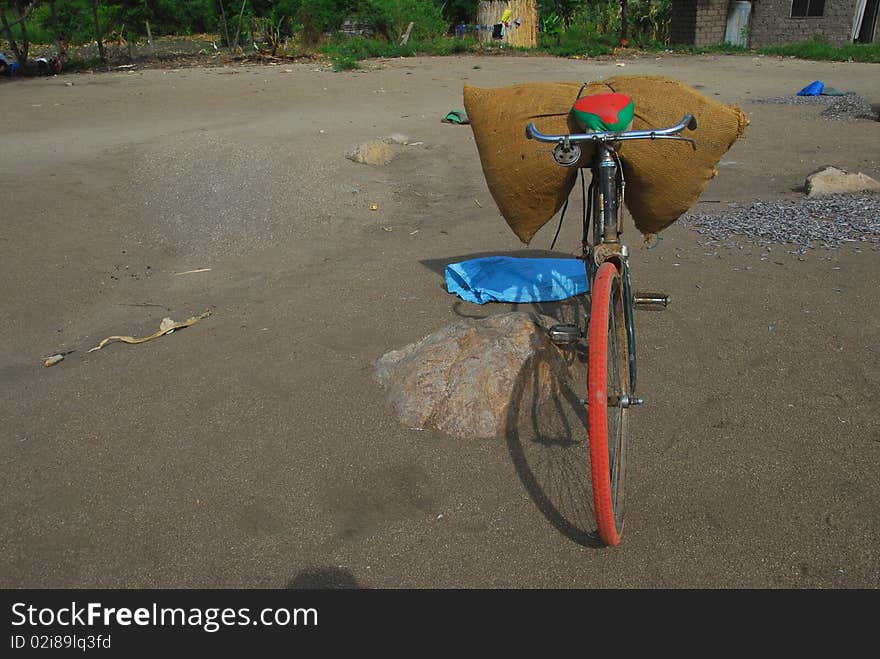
(718, 49)
(813, 49)
(345, 53)
(816, 49)
(568, 28)
(82, 64)
(599, 22)
(576, 42)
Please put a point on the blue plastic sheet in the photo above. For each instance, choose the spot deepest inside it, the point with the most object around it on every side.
(813, 89)
(516, 279)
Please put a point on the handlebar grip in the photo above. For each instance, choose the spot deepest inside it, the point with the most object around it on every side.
(692, 124)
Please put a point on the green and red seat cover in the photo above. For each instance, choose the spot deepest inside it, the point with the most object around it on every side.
(604, 112)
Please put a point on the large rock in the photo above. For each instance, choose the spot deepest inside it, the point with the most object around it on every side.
(474, 378)
(831, 180)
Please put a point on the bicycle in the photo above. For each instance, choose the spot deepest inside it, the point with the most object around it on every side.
(609, 329)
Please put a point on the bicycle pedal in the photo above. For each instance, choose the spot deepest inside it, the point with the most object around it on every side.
(565, 334)
(646, 300)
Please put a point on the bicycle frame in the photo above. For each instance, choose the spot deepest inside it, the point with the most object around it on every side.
(603, 211)
(604, 206)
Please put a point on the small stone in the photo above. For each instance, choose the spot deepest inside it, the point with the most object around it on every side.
(371, 153)
(54, 359)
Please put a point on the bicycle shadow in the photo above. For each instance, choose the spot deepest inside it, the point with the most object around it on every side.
(549, 445)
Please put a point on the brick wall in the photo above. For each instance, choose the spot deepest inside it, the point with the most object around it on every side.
(698, 22)
(771, 25)
(703, 22)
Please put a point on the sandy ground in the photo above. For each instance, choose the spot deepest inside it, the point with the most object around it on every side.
(254, 449)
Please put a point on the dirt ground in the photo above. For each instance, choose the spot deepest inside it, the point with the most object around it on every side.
(254, 449)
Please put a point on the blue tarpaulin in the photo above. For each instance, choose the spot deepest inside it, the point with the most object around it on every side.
(516, 279)
(813, 89)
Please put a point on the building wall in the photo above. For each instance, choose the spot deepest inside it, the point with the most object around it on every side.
(698, 22)
(703, 23)
(771, 25)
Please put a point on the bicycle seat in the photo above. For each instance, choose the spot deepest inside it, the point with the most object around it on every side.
(604, 112)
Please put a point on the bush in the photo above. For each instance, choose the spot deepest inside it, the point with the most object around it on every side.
(345, 63)
(346, 52)
(76, 21)
(579, 41)
(319, 17)
(357, 48)
(427, 19)
(38, 28)
(74, 24)
(449, 45)
(648, 22)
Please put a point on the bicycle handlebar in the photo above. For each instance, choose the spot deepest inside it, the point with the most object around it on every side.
(671, 133)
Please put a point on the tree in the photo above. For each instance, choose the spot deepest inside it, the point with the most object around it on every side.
(225, 26)
(53, 14)
(21, 11)
(238, 28)
(98, 35)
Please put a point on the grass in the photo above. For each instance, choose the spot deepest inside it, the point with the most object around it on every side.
(345, 53)
(345, 63)
(813, 49)
(718, 49)
(816, 49)
(577, 43)
(82, 64)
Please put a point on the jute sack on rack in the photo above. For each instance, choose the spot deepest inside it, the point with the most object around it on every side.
(526, 184)
(664, 178)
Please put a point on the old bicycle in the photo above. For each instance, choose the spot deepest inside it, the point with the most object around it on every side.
(608, 326)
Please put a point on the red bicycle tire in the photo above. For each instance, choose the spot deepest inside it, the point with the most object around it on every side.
(603, 311)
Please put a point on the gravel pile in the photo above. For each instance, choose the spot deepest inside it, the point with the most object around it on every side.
(850, 106)
(847, 107)
(819, 222)
(798, 100)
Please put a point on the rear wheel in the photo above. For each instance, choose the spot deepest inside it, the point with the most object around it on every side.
(608, 388)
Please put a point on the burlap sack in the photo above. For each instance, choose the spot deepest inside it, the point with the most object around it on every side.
(663, 178)
(527, 185)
